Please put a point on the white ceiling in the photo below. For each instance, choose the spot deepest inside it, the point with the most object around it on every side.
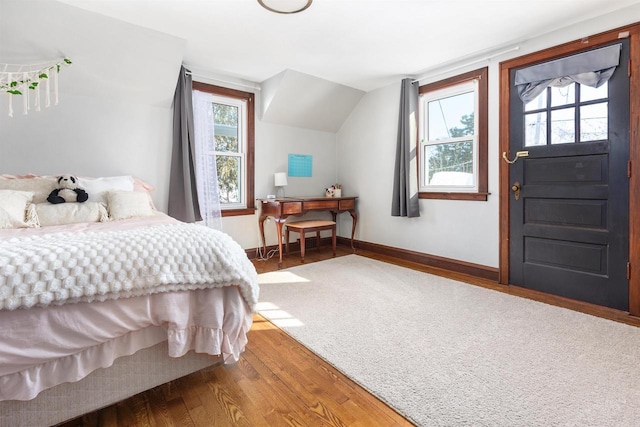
(333, 52)
(363, 44)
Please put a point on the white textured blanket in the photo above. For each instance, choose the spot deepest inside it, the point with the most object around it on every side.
(61, 268)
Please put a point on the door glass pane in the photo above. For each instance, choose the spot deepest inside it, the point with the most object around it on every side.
(451, 117)
(535, 129)
(563, 95)
(225, 119)
(538, 103)
(563, 128)
(591, 93)
(450, 164)
(229, 178)
(594, 122)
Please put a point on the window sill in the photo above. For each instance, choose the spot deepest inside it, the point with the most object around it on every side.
(238, 212)
(480, 197)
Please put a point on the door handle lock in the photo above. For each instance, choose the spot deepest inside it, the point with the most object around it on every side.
(516, 190)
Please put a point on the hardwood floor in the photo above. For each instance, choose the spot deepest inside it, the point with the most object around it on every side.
(277, 382)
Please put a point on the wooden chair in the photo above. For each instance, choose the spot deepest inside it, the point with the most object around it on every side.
(308, 226)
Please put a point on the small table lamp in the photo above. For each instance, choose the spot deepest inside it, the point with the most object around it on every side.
(280, 180)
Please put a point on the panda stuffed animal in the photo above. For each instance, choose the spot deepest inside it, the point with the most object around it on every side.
(67, 191)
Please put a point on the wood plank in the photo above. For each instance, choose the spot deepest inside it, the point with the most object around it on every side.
(286, 406)
(107, 417)
(323, 389)
(202, 401)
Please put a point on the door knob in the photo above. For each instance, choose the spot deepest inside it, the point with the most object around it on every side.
(516, 189)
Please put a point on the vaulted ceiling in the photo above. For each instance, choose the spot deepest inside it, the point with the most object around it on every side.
(313, 66)
(363, 44)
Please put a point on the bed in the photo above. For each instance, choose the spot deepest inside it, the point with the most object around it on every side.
(104, 299)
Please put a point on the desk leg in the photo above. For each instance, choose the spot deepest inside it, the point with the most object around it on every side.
(279, 223)
(261, 221)
(354, 217)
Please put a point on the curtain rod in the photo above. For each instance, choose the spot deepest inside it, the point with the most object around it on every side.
(223, 81)
(484, 58)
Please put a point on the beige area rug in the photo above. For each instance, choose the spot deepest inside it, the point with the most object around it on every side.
(445, 353)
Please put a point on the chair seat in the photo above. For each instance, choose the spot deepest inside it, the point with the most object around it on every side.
(312, 225)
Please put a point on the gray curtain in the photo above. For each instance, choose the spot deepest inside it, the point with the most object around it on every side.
(405, 181)
(183, 196)
(592, 68)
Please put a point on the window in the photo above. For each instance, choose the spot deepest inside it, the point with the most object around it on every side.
(569, 114)
(232, 147)
(453, 138)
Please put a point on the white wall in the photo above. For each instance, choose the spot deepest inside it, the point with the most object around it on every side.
(114, 114)
(88, 136)
(91, 136)
(460, 230)
(273, 145)
(115, 117)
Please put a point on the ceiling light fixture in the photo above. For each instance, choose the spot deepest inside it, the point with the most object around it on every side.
(285, 6)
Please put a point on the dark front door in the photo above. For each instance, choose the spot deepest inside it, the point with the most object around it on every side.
(569, 224)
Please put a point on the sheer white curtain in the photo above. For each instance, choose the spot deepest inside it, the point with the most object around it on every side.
(206, 173)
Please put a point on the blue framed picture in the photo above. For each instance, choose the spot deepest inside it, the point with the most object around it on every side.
(300, 165)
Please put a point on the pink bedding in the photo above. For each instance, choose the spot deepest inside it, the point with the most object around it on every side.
(42, 347)
(127, 224)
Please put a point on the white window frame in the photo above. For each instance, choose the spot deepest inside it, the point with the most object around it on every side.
(457, 89)
(241, 104)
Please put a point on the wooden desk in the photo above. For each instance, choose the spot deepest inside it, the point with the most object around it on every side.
(280, 209)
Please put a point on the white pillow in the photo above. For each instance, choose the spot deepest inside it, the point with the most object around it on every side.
(70, 213)
(7, 221)
(97, 188)
(14, 206)
(140, 185)
(39, 186)
(129, 204)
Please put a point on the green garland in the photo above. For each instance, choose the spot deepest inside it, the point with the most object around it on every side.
(11, 87)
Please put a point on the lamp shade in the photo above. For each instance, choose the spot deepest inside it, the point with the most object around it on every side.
(280, 179)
